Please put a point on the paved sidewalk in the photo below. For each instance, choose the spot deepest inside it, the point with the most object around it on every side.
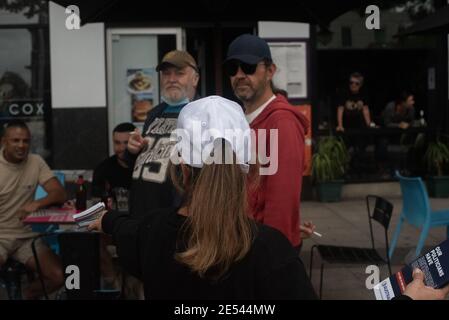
(346, 223)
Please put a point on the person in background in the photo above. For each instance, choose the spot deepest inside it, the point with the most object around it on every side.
(274, 198)
(112, 179)
(20, 174)
(353, 112)
(401, 112)
(353, 107)
(114, 172)
(209, 247)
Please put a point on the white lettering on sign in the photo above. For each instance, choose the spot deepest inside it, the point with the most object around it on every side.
(26, 109)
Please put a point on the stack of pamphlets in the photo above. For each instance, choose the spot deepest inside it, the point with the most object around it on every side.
(434, 264)
(86, 217)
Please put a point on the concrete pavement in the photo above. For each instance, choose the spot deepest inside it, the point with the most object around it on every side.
(346, 223)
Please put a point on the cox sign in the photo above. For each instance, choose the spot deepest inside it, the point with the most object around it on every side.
(26, 109)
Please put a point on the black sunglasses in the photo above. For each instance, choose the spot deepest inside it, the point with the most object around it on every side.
(232, 67)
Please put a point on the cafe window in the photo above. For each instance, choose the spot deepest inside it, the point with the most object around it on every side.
(24, 69)
(390, 64)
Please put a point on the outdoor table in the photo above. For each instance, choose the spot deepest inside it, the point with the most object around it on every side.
(77, 247)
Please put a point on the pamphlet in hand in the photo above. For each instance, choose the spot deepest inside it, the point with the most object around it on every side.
(434, 264)
(86, 217)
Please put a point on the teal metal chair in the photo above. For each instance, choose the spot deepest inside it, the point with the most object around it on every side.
(11, 272)
(417, 212)
(48, 228)
(40, 192)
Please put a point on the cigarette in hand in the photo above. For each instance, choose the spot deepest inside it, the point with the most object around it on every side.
(317, 234)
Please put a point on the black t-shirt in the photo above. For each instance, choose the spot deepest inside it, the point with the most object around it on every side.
(111, 171)
(146, 248)
(151, 185)
(353, 109)
(392, 118)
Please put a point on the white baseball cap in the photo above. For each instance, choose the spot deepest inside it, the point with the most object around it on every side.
(202, 122)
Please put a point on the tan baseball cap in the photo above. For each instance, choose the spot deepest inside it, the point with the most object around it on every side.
(177, 58)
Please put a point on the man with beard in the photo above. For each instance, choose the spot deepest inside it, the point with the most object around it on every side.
(274, 197)
(114, 172)
(151, 187)
(20, 174)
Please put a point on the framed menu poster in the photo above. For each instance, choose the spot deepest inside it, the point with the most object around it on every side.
(291, 61)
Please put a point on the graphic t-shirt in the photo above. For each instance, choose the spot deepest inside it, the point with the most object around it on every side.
(151, 187)
(353, 109)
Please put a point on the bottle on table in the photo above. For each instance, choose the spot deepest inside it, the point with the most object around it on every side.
(81, 194)
(107, 197)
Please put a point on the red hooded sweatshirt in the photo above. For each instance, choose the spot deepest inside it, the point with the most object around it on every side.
(274, 199)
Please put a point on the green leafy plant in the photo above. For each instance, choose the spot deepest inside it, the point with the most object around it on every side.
(436, 157)
(330, 159)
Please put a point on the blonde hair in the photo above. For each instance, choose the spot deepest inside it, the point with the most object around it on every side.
(218, 231)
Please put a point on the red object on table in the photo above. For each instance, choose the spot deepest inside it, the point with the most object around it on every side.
(56, 215)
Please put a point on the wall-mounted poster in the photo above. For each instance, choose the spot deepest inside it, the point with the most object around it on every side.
(140, 84)
(291, 61)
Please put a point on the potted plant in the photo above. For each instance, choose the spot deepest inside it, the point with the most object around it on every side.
(329, 165)
(436, 159)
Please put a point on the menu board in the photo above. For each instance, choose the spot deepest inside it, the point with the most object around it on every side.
(291, 61)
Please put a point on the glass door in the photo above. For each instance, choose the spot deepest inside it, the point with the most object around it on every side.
(133, 83)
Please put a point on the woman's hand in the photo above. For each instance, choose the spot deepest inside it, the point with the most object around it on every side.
(417, 290)
(96, 225)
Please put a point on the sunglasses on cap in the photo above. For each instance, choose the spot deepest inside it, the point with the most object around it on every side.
(232, 67)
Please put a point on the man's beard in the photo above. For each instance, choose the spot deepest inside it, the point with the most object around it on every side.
(246, 95)
(183, 98)
(174, 102)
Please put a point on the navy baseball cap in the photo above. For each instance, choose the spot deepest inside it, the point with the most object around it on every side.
(249, 49)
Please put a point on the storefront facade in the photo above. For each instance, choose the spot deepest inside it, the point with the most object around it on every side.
(93, 70)
(74, 85)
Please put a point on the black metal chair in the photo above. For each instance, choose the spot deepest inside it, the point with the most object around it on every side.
(332, 254)
(82, 250)
(11, 273)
